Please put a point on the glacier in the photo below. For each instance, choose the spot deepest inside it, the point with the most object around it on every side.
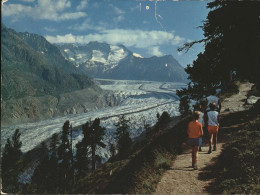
(139, 101)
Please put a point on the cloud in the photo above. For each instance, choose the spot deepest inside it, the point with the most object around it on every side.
(44, 10)
(129, 38)
(96, 5)
(178, 40)
(118, 19)
(137, 7)
(83, 4)
(15, 9)
(49, 29)
(87, 25)
(68, 38)
(27, 1)
(154, 51)
(116, 10)
(146, 22)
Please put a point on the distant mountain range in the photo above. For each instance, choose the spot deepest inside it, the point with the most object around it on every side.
(40, 80)
(37, 82)
(101, 60)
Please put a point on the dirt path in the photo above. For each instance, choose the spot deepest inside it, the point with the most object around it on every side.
(181, 178)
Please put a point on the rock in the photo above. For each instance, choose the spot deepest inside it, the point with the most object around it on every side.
(252, 100)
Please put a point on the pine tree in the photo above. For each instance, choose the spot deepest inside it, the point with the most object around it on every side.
(11, 163)
(123, 137)
(112, 150)
(82, 160)
(53, 164)
(94, 137)
(232, 47)
(42, 175)
(45, 178)
(164, 118)
(65, 157)
(184, 107)
(53, 146)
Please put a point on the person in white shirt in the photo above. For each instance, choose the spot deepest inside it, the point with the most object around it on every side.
(212, 119)
(213, 99)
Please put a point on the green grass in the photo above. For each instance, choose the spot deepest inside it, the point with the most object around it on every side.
(237, 170)
(240, 162)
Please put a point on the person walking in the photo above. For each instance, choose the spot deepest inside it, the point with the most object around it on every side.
(200, 109)
(213, 99)
(195, 134)
(201, 119)
(213, 126)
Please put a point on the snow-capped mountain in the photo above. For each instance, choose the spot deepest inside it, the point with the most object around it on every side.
(94, 54)
(101, 60)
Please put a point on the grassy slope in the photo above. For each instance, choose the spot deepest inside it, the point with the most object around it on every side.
(240, 161)
(141, 171)
(237, 170)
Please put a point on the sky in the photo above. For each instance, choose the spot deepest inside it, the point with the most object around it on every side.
(147, 27)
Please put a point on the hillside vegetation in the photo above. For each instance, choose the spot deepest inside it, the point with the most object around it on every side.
(36, 80)
(141, 171)
(237, 169)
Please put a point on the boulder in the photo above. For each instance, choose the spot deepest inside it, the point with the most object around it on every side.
(252, 100)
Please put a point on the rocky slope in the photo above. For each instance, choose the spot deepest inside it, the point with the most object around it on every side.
(38, 83)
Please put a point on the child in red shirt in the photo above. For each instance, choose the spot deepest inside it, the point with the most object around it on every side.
(195, 133)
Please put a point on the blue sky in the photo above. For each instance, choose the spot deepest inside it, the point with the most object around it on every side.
(146, 27)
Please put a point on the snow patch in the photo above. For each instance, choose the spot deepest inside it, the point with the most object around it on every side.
(98, 56)
(137, 55)
(80, 56)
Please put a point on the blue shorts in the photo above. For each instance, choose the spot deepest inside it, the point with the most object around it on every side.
(194, 141)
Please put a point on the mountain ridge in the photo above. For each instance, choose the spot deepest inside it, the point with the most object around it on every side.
(31, 80)
(101, 60)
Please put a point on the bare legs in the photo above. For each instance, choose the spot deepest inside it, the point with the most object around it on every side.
(215, 137)
(195, 151)
(212, 137)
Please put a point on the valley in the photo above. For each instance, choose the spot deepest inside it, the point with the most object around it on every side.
(139, 101)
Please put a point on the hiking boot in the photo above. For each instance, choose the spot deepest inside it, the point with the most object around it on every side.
(195, 166)
(200, 149)
(209, 151)
(214, 148)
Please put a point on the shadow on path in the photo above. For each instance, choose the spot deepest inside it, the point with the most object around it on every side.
(230, 123)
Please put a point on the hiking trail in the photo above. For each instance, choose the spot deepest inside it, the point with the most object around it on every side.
(181, 178)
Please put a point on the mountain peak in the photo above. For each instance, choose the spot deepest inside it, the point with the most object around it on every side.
(102, 60)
